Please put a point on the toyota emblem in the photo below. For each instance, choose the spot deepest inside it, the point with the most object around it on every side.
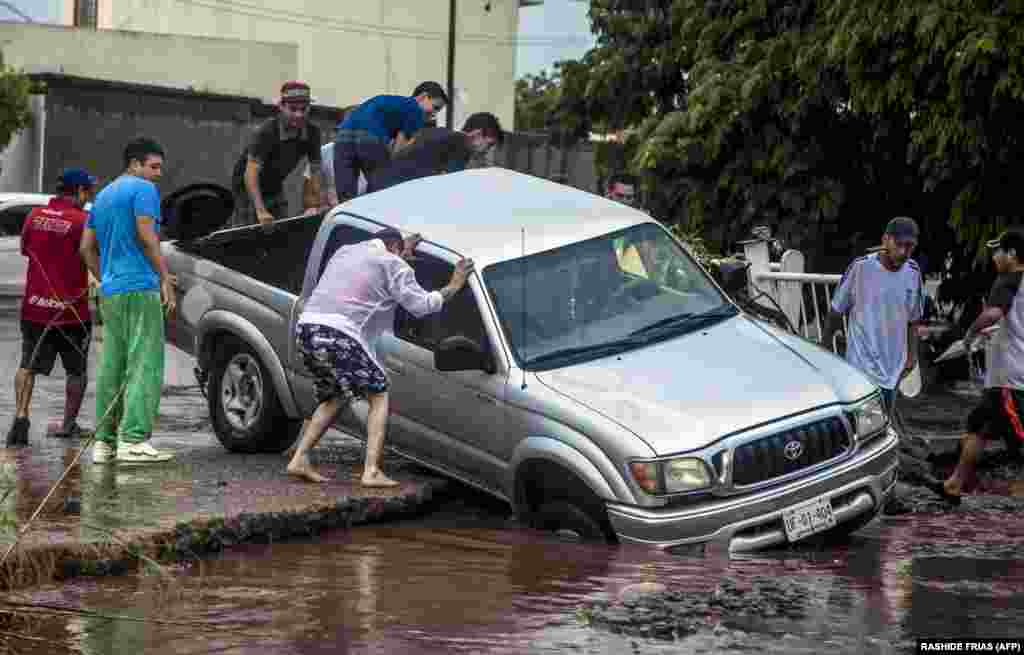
(793, 450)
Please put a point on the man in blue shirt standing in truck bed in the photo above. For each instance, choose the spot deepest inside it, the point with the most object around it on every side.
(363, 137)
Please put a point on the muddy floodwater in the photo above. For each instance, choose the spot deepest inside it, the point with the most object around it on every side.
(469, 580)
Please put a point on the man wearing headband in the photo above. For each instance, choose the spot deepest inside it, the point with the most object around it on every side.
(272, 153)
(338, 331)
(882, 295)
(55, 308)
(1001, 410)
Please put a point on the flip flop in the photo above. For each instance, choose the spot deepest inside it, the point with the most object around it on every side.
(937, 488)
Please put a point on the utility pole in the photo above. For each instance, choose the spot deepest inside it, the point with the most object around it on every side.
(450, 110)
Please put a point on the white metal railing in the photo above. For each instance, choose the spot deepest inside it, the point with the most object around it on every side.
(805, 298)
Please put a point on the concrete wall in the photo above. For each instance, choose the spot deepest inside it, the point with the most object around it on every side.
(349, 50)
(208, 64)
(88, 123)
(537, 154)
(20, 161)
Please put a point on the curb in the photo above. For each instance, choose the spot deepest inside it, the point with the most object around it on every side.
(36, 565)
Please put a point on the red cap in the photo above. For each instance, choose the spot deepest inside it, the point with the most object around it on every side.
(295, 91)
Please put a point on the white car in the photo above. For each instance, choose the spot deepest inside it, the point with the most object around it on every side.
(14, 207)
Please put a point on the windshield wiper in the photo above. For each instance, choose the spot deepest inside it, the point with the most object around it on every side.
(593, 350)
(679, 320)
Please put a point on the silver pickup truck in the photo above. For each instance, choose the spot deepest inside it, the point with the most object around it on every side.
(591, 373)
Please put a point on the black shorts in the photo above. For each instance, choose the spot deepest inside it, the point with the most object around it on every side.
(71, 342)
(998, 415)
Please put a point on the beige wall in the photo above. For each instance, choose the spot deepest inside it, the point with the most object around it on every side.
(349, 50)
(206, 64)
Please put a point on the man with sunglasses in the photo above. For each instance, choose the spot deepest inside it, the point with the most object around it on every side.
(272, 153)
(435, 150)
(882, 295)
(373, 132)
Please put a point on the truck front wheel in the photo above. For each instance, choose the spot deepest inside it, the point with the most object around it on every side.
(244, 407)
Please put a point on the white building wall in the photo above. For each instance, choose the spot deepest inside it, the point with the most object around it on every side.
(205, 64)
(350, 50)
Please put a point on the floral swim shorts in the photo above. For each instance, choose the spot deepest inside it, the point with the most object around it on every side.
(340, 366)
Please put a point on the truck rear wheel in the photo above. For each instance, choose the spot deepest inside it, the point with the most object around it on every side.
(244, 407)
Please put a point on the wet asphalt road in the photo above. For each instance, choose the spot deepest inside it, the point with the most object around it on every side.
(466, 578)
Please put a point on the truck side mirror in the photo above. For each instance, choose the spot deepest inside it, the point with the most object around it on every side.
(461, 354)
(732, 275)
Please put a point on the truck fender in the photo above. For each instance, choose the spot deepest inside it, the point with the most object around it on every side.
(218, 320)
(558, 452)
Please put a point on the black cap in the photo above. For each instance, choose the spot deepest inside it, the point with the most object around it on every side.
(902, 227)
(389, 234)
(1011, 239)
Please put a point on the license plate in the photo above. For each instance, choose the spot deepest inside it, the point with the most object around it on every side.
(808, 518)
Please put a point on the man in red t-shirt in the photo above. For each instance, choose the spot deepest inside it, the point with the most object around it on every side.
(55, 310)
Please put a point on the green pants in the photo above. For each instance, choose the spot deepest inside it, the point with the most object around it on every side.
(132, 357)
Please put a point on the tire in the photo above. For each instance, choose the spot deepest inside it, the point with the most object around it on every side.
(570, 522)
(244, 407)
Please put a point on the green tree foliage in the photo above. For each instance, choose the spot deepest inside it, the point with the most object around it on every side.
(822, 118)
(536, 98)
(15, 90)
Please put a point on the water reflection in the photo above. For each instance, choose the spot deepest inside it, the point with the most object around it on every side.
(387, 589)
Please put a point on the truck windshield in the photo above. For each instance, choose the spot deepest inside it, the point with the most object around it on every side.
(595, 297)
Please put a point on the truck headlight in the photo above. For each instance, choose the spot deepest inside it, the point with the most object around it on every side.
(686, 474)
(672, 476)
(868, 417)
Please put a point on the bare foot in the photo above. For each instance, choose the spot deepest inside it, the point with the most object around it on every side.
(302, 469)
(378, 479)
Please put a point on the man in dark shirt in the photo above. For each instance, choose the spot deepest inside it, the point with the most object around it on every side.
(273, 152)
(438, 150)
(1000, 413)
(364, 136)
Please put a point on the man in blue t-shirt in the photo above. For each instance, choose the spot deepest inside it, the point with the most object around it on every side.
(363, 137)
(121, 247)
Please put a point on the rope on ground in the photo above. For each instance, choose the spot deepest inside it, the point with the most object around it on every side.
(117, 398)
(57, 609)
(28, 524)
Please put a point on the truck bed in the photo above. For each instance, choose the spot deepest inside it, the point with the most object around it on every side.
(277, 258)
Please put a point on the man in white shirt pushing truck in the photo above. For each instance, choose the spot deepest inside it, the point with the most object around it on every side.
(337, 334)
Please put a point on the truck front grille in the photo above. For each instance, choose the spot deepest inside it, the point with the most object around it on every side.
(773, 456)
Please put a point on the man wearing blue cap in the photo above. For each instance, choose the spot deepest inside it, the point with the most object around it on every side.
(338, 331)
(55, 309)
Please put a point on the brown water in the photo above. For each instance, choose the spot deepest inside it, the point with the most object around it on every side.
(427, 587)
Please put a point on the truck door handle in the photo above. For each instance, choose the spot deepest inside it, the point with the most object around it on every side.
(394, 367)
(485, 398)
